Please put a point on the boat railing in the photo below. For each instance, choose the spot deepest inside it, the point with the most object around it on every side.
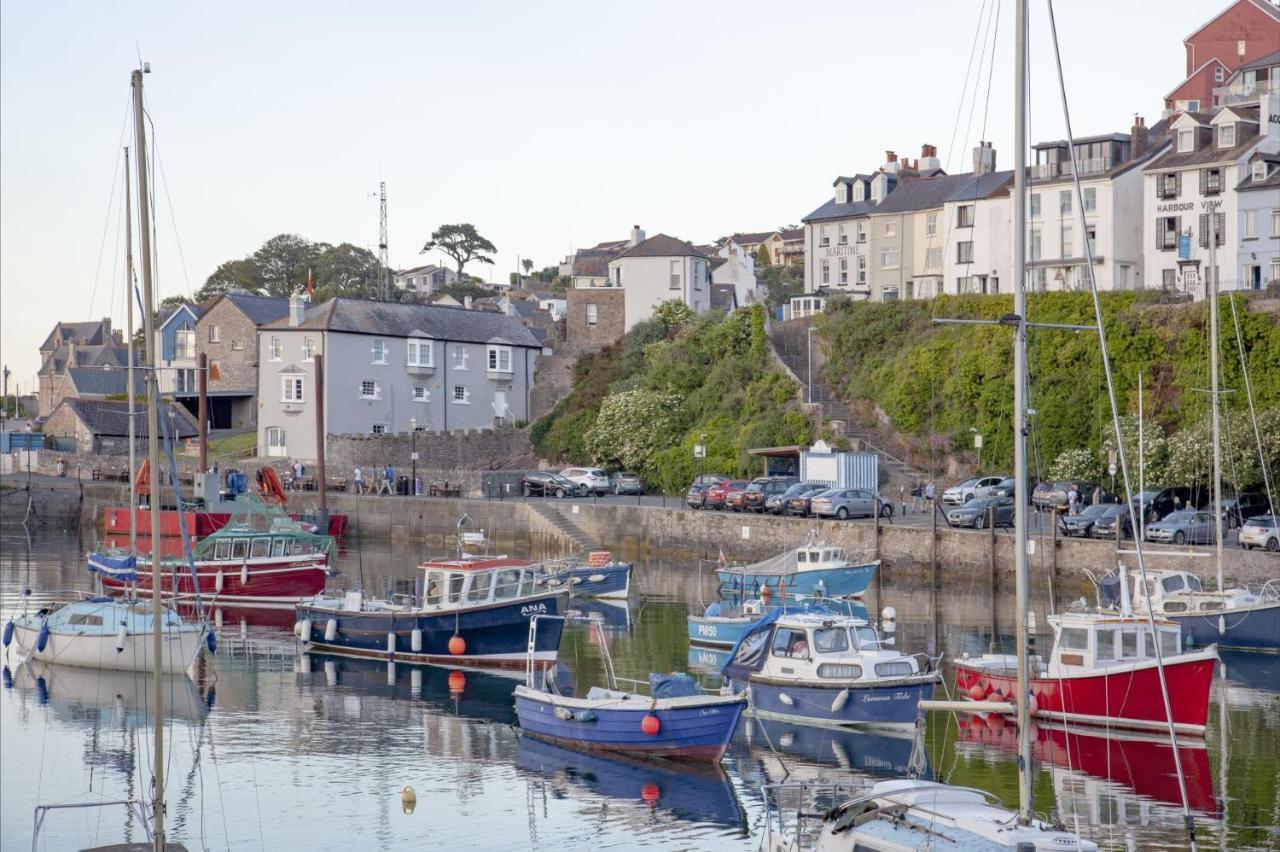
(592, 619)
(135, 807)
(794, 810)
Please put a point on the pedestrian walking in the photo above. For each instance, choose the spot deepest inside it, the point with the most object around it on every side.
(902, 498)
(928, 495)
(1073, 501)
(357, 482)
(1097, 495)
(389, 479)
(916, 494)
(298, 470)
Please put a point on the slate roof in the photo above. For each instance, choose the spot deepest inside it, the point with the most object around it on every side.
(86, 356)
(792, 234)
(922, 193)
(1273, 177)
(259, 309)
(753, 237)
(111, 418)
(974, 187)
(89, 381)
(90, 332)
(1207, 152)
(833, 210)
(405, 319)
(1261, 62)
(593, 262)
(662, 246)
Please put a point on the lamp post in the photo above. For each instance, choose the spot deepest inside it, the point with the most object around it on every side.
(413, 455)
(809, 360)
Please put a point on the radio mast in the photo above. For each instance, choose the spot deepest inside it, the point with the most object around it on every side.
(384, 285)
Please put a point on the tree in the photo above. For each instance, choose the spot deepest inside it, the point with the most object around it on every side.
(240, 274)
(462, 243)
(283, 263)
(346, 270)
(673, 313)
(528, 265)
(762, 256)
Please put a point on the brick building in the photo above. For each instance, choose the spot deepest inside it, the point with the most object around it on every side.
(594, 318)
(227, 333)
(1243, 32)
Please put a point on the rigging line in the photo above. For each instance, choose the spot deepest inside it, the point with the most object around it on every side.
(1253, 414)
(964, 87)
(111, 202)
(1188, 819)
(977, 80)
(173, 216)
(995, 39)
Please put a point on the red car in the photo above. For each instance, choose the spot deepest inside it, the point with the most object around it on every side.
(720, 495)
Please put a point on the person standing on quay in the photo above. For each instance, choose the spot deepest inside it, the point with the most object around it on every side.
(915, 496)
(928, 495)
(357, 481)
(902, 499)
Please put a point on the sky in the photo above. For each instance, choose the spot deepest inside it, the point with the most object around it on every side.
(550, 126)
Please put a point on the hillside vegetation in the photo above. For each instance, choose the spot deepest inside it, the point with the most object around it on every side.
(938, 383)
(644, 403)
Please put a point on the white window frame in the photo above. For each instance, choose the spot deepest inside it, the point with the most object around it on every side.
(891, 227)
(593, 313)
(965, 215)
(862, 232)
(885, 252)
(1227, 136)
(1068, 241)
(844, 272)
(1065, 203)
(1219, 74)
(277, 441)
(843, 235)
(826, 272)
(369, 389)
(495, 355)
(824, 237)
(931, 223)
(1259, 170)
(1275, 223)
(466, 395)
(1090, 199)
(421, 393)
(862, 269)
(1249, 225)
(379, 351)
(1186, 140)
(275, 348)
(964, 251)
(379, 429)
(215, 333)
(677, 275)
(415, 348)
(181, 351)
(1035, 244)
(460, 357)
(933, 258)
(292, 389)
(1035, 205)
(308, 348)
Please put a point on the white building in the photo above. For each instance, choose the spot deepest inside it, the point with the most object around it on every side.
(1111, 181)
(657, 270)
(425, 279)
(1191, 190)
(733, 265)
(978, 247)
(1259, 199)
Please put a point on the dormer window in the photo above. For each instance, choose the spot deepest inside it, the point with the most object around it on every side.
(1227, 136)
(1186, 141)
(842, 193)
(1259, 170)
(859, 191)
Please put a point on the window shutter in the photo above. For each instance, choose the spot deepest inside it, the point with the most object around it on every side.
(1204, 181)
(1177, 184)
(1204, 230)
(1159, 234)
(1177, 228)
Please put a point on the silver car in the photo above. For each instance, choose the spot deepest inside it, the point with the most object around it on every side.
(1183, 527)
(845, 503)
(979, 486)
(1261, 531)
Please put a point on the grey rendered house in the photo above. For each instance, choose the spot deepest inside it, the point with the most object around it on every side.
(389, 367)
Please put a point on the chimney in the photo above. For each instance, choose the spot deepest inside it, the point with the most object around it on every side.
(1137, 137)
(298, 303)
(890, 163)
(929, 158)
(71, 353)
(984, 159)
(637, 236)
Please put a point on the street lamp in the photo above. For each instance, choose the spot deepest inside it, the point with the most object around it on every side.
(413, 456)
(809, 359)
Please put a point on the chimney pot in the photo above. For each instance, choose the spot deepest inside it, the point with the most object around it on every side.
(890, 157)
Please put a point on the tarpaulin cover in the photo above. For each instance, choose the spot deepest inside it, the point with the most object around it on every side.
(674, 685)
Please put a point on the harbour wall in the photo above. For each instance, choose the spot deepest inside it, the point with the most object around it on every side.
(914, 556)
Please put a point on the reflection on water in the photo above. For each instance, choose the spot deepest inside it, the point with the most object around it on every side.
(274, 749)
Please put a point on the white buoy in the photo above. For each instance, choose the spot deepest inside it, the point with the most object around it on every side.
(330, 673)
(415, 681)
(331, 630)
(244, 574)
(888, 619)
(596, 578)
(786, 739)
(304, 630)
(391, 643)
(391, 672)
(575, 581)
(415, 641)
(786, 699)
(122, 636)
(305, 662)
(840, 700)
(553, 582)
(217, 583)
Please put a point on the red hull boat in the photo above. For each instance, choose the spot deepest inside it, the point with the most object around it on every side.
(278, 581)
(115, 520)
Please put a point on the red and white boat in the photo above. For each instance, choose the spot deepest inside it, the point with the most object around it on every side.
(1103, 671)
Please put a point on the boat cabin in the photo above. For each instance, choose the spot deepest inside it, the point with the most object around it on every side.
(826, 648)
(1177, 593)
(1086, 641)
(462, 584)
(815, 557)
(239, 548)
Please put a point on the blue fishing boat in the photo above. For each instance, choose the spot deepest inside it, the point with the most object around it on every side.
(723, 623)
(823, 669)
(474, 612)
(602, 576)
(814, 569)
(676, 720)
(1242, 619)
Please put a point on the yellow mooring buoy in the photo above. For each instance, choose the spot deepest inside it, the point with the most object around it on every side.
(408, 799)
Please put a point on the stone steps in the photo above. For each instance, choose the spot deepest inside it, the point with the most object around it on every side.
(552, 514)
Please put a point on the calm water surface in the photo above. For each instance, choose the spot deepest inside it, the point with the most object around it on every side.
(272, 750)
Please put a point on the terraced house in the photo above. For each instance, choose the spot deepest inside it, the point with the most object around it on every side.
(227, 332)
(389, 367)
(84, 346)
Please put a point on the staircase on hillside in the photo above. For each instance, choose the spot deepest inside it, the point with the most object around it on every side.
(790, 341)
(552, 514)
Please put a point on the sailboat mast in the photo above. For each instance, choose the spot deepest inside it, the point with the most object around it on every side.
(1020, 408)
(1212, 286)
(153, 455)
(129, 387)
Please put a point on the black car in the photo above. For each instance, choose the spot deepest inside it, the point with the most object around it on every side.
(1082, 522)
(1159, 503)
(981, 511)
(796, 499)
(761, 489)
(544, 483)
(697, 494)
(1243, 507)
(1104, 526)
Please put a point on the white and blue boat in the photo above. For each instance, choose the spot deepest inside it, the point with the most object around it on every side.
(814, 569)
(723, 623)
(1243, 619)
(825, 669)
(602, 576)
(675, 721)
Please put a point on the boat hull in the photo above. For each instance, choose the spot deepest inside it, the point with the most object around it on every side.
(268, 581)
(496, 635)
(718, 632)
(612, 581)
(696, 729)
(870, 705)
(1129, 698)
(179, 649)
(845, 581)
(1255, 629)
(116, 519)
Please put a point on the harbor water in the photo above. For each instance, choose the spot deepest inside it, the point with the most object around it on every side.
(273, 749)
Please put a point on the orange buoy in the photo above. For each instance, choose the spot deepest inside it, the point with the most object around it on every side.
(995, 721)
(650, 724)
(650, 792)
(977, 693)
(457, 682)
(457, 645)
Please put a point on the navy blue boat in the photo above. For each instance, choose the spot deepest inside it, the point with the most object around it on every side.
(475, 612)
(600, 578)
(1243, 619)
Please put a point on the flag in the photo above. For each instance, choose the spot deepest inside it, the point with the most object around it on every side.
(722, 562)
(311, 285)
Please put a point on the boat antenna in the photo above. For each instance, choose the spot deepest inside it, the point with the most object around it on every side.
(1187, 818)
(153, 454)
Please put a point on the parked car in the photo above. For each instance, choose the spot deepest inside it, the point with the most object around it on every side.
(1104, 526)
(1007, 487)
(591, 478)
(546, 483)
(796, 499)
(963, 492)
(1243, 507)
(625, 482)
(977, 513)
(1172, 499)
(1053, 494)
(845, 503)
(762, 488)
(1082, 522)
(718, 494)
(1261, 531)
(697, 494)
(1185, 526)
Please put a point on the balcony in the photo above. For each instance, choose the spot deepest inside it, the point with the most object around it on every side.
(1088, 167)
(1239, 93)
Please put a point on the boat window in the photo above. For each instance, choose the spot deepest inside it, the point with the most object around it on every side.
(1206, 606)
(454, 589)
(866, 639)
(897, 668)
(435, 587)
(240, 548)
(277, 547)
(1106, 644)
(222, 550)
(802, 556)
(506, 584)
(1175, 606)
(527, 580)
(826, 556)
(1168, 643)
(790, 643)
(479, 590)
(1128, 643)
(830, 640)
(86, 619)
(837, 555)
(1074, 638)
(844, 671)
(1172, 584)
(261, 547)
(1193, 583)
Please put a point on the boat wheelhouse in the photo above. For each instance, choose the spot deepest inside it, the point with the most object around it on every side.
(473, 611)
(813, 569)
(1243, 619)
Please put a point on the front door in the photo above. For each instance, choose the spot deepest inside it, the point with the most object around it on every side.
(500, 410)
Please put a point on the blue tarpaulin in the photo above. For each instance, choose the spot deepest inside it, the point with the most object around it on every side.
(674, 685)
(748, 654)
(123, 568)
